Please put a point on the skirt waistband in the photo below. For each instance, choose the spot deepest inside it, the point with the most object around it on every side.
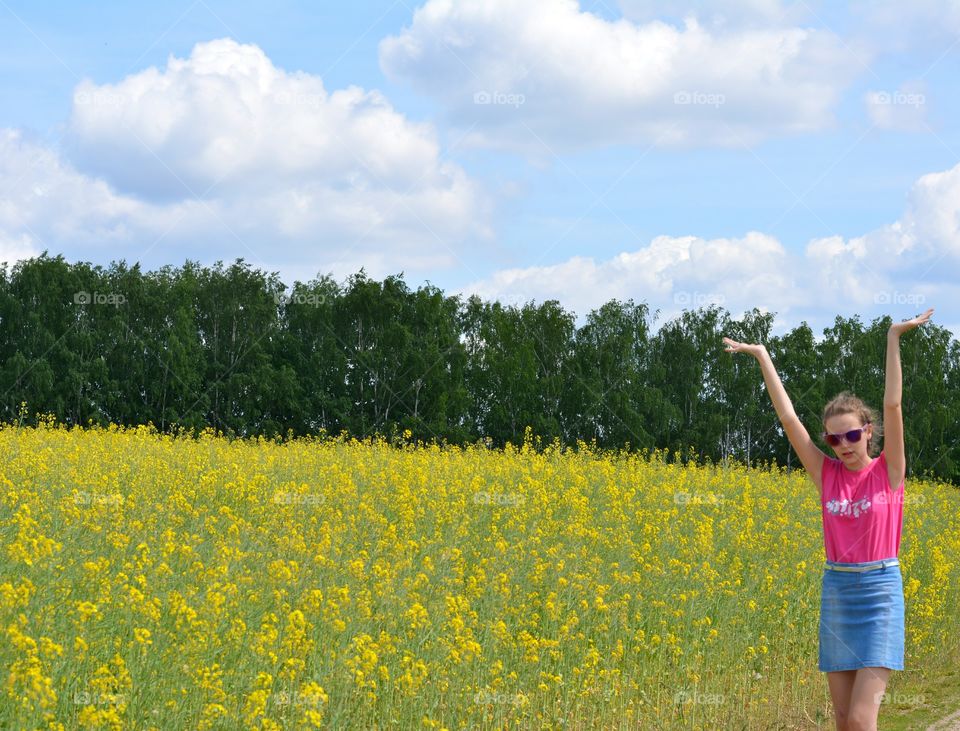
(865, 566)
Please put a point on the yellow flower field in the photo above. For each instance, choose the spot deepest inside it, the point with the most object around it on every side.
(154, 582)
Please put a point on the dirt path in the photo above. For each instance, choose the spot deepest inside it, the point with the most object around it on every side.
(950, 723)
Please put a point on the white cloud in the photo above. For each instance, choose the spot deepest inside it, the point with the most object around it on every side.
(722, 13)
(544, 73)
(894, 26)
(227, 117)
(933, 214)
(223, 149)
(835, 266)
(671, 273)
(900, 268)
(896, 269)
(45, 199)
(13, 250)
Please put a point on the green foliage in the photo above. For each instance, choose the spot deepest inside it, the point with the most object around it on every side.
(231, 348)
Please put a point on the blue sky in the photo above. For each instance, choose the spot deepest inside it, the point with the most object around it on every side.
(809, 165)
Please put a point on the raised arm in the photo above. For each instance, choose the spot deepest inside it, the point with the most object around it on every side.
(893, 448)
(810, 455)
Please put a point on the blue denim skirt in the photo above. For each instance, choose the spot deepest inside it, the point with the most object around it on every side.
(861, 618)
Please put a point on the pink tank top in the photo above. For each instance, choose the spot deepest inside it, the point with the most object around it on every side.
(862, 515)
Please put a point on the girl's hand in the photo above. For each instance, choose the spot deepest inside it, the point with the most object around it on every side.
(734, 347)
(898, 328)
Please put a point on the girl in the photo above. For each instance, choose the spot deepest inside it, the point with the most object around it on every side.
(861, 633)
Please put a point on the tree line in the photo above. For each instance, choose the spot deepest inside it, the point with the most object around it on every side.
(233, 349)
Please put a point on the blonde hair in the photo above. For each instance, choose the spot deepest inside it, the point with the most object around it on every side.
(847, 403)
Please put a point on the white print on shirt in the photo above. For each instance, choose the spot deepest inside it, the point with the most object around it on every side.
(845, 507)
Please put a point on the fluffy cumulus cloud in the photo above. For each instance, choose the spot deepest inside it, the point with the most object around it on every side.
(909, 264)
(45, 200)
(672, 273)
(13, 250)
(224, 144)
(544, 74)
(896, 26)
(933, 216)
(911, 261)
(723, 13)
